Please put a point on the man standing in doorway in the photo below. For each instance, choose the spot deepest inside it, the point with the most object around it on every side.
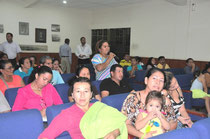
(11, 49)
(83, 52)
(65, 54)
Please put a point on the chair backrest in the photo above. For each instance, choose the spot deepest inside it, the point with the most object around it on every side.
(97, 85)
(115, 101)
(62, 90)
(184, 81)
(10, 95)
(67, 76)
(185, 133)
(139, 75)
(176, 71)
(202, 127)
(25, 80)
(26, 124)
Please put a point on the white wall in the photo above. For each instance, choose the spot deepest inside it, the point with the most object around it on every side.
(161, 28)
(74, 23)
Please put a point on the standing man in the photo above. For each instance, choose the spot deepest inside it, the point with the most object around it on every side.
(65, 55)
(83, 52)
(11, 49)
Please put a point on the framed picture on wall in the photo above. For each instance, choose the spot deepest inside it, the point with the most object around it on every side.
(40, 35)
(55, 28)
(1, 28)
(23, 28)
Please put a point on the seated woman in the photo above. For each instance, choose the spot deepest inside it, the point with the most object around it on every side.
(3, 56)
(154, 80)
(105, 122)
(151, 63)
(83, 71)
(4, 105)
(33, 61)
(25, 68)
(199, 89)
(134, 66)
(39, 93)
(7, 78)
(103, 61)
(206, 73)
(56, 65)
(174, 93)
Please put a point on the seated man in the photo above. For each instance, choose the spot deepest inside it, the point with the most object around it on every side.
(162, 63)
(126, 61)
(47, 61)
(190, 68)
(115, 84)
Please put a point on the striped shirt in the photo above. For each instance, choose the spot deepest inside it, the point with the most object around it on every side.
(98, 59)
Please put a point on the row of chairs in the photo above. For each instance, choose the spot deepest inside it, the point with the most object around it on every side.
(31, 119)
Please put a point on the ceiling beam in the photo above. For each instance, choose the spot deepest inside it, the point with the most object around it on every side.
(30, 3)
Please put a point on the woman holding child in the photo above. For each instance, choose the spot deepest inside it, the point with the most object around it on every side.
(136, 101)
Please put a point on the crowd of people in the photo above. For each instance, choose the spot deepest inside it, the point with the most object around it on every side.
(145, 113)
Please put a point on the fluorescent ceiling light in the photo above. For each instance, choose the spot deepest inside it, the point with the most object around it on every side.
(64, 2)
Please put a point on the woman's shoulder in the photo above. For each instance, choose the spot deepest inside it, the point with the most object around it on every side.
(16, 77)
(96, 56)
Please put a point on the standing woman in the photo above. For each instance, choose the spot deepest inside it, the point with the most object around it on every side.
(7, 78)
(151, 63)
(25, 68)
(103, 61)
(154, 80)
(174, 93)
(39, 93)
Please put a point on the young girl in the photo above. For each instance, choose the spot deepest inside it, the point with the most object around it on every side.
(134, 67)
(199, 89)
(56, 66)
(152, 118)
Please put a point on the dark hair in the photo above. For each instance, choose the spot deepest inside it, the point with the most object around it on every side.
(33, 57)
(169, 77)
(136, 58)
(153, 70)
(79, 69)
(82, 38)
(189, 60)
(3, 63)
(43, 59)
(55, 59)
(67, 41)
(160, 57)
(113, 67)
(196, 74)
(80, 80)
(206, 68)
(155, 95)
(99, 44)
(38, 70)
(149, 62)
(2, 55)
(8, 33)
(21, 60)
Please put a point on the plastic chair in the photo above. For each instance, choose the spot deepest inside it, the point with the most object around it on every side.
(62, 90)
(67, 76)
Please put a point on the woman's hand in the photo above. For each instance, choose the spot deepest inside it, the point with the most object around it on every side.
(113, 134)
(149, 134)
(43, 112)
(111, 55)
(185, 120)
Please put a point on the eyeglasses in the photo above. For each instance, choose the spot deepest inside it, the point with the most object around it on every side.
(10, 68)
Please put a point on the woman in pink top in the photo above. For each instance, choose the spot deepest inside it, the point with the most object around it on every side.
(69, 119)
(39, 93)
(7, 78)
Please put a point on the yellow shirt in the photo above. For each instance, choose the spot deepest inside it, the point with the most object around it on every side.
(160, 66)
(155, 127)
(125, 63)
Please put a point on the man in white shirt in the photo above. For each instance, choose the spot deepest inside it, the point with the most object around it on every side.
(83, 52)
(11, 48)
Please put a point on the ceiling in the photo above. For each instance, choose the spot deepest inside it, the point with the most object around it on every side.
(91, 4)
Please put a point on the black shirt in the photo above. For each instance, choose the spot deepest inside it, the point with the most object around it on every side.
(113, 88)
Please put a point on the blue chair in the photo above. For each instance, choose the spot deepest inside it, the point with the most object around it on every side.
(115, 101)
(26, 124)
(10, 95)
(97, 85)
(25, 80)
(185, 133)
(63, 90)
(176, 71)
(184, 81)
(66, 77)
(139, 75)
(202, 127)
